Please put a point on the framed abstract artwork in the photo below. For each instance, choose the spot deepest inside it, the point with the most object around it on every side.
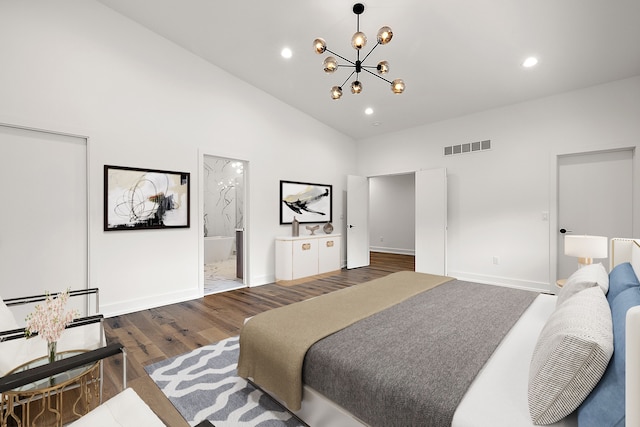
(141, 199)
(306, 202)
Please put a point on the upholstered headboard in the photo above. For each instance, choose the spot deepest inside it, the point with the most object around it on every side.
(625, 250)
(628, 250)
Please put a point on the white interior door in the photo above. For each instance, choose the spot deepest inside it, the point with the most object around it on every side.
(43, 232)
(595, 196)
(357, 221)
(431, 221)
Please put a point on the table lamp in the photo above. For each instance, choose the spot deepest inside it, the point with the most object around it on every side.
(585, 248)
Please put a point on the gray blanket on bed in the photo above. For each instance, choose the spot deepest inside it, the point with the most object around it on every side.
(410, 365)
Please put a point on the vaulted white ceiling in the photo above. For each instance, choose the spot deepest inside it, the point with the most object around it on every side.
(455, 56)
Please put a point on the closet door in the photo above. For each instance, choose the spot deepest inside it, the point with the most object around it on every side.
(43, 225)
(431, 221)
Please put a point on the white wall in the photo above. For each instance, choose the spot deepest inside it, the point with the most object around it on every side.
(392, 213)
(75, 66)
(496, 198)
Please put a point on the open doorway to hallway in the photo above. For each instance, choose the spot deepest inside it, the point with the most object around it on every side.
(224, 213)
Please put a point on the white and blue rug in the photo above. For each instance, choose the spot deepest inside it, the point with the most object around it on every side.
(203, 384)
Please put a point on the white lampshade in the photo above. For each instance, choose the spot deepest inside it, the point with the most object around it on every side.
(586, 247)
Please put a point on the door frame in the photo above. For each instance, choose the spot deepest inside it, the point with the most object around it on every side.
(368, 177)
(553, 196)
(442, 171)
(202, 153)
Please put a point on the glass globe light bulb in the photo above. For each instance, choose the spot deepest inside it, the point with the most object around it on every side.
(359, 40)
(383, 67)
(330, 64)
(384, 35)
(336, 92)
(356, 87)
(397, 86)
(319, 46)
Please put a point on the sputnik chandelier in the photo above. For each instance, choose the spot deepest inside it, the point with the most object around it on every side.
(358, 41)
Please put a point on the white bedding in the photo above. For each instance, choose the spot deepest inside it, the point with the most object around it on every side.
(496, 398)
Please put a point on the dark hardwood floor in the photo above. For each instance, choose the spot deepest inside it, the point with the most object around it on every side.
(153, 335)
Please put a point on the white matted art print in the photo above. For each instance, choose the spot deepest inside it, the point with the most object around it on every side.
(307, 202)
(137, 199)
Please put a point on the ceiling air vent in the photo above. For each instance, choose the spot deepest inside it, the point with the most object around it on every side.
(468, 147)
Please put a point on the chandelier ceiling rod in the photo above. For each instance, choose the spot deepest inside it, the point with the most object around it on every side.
(358, 41)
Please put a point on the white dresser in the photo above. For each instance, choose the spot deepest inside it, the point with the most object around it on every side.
(304, 256)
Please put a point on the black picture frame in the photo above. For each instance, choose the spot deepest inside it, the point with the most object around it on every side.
(145, 199)
(307, 202)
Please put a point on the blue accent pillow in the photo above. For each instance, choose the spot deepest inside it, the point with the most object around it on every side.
(604, 407)
(621, 277)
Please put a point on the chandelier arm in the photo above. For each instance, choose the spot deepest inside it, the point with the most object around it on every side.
(345, 82)
(365, 58)
(377, 75)
(341, 57)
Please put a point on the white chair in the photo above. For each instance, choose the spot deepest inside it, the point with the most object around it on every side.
(126, 409)
(86, 333)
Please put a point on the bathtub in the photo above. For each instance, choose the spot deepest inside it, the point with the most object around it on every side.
(218, 248)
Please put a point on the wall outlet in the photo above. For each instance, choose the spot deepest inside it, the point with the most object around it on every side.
(496, 260)
(381, 239)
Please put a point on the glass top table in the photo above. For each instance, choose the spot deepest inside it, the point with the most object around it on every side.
(53, 400)
(57, 380)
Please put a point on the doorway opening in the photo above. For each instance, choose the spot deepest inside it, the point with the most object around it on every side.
(223, 219)
(399, 213)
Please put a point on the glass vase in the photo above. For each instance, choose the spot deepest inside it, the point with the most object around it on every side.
(52, 350)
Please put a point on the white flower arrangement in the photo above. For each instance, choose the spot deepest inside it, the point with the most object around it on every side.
(50, 319)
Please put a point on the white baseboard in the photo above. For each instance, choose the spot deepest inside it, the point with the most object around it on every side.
(387, 250)
(130, 306)
(262, 280)
(527, 285)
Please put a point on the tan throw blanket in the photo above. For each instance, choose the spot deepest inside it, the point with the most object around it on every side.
(273, 344)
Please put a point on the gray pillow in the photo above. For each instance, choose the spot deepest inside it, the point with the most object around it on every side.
(592, 273)
(570, 357)
(572, 287)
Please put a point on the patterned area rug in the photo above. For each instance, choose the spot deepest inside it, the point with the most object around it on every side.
(203, 384)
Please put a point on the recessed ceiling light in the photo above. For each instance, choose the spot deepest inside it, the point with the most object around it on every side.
(286, 53)
(368, 111)
(530, 62)
(376, 124)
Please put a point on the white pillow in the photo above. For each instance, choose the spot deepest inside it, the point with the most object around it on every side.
(7, 320)
(16, 352)
(9, 349)
(595, 273)
(570, 357)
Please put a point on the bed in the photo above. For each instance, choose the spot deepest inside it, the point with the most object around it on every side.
(393, 352)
